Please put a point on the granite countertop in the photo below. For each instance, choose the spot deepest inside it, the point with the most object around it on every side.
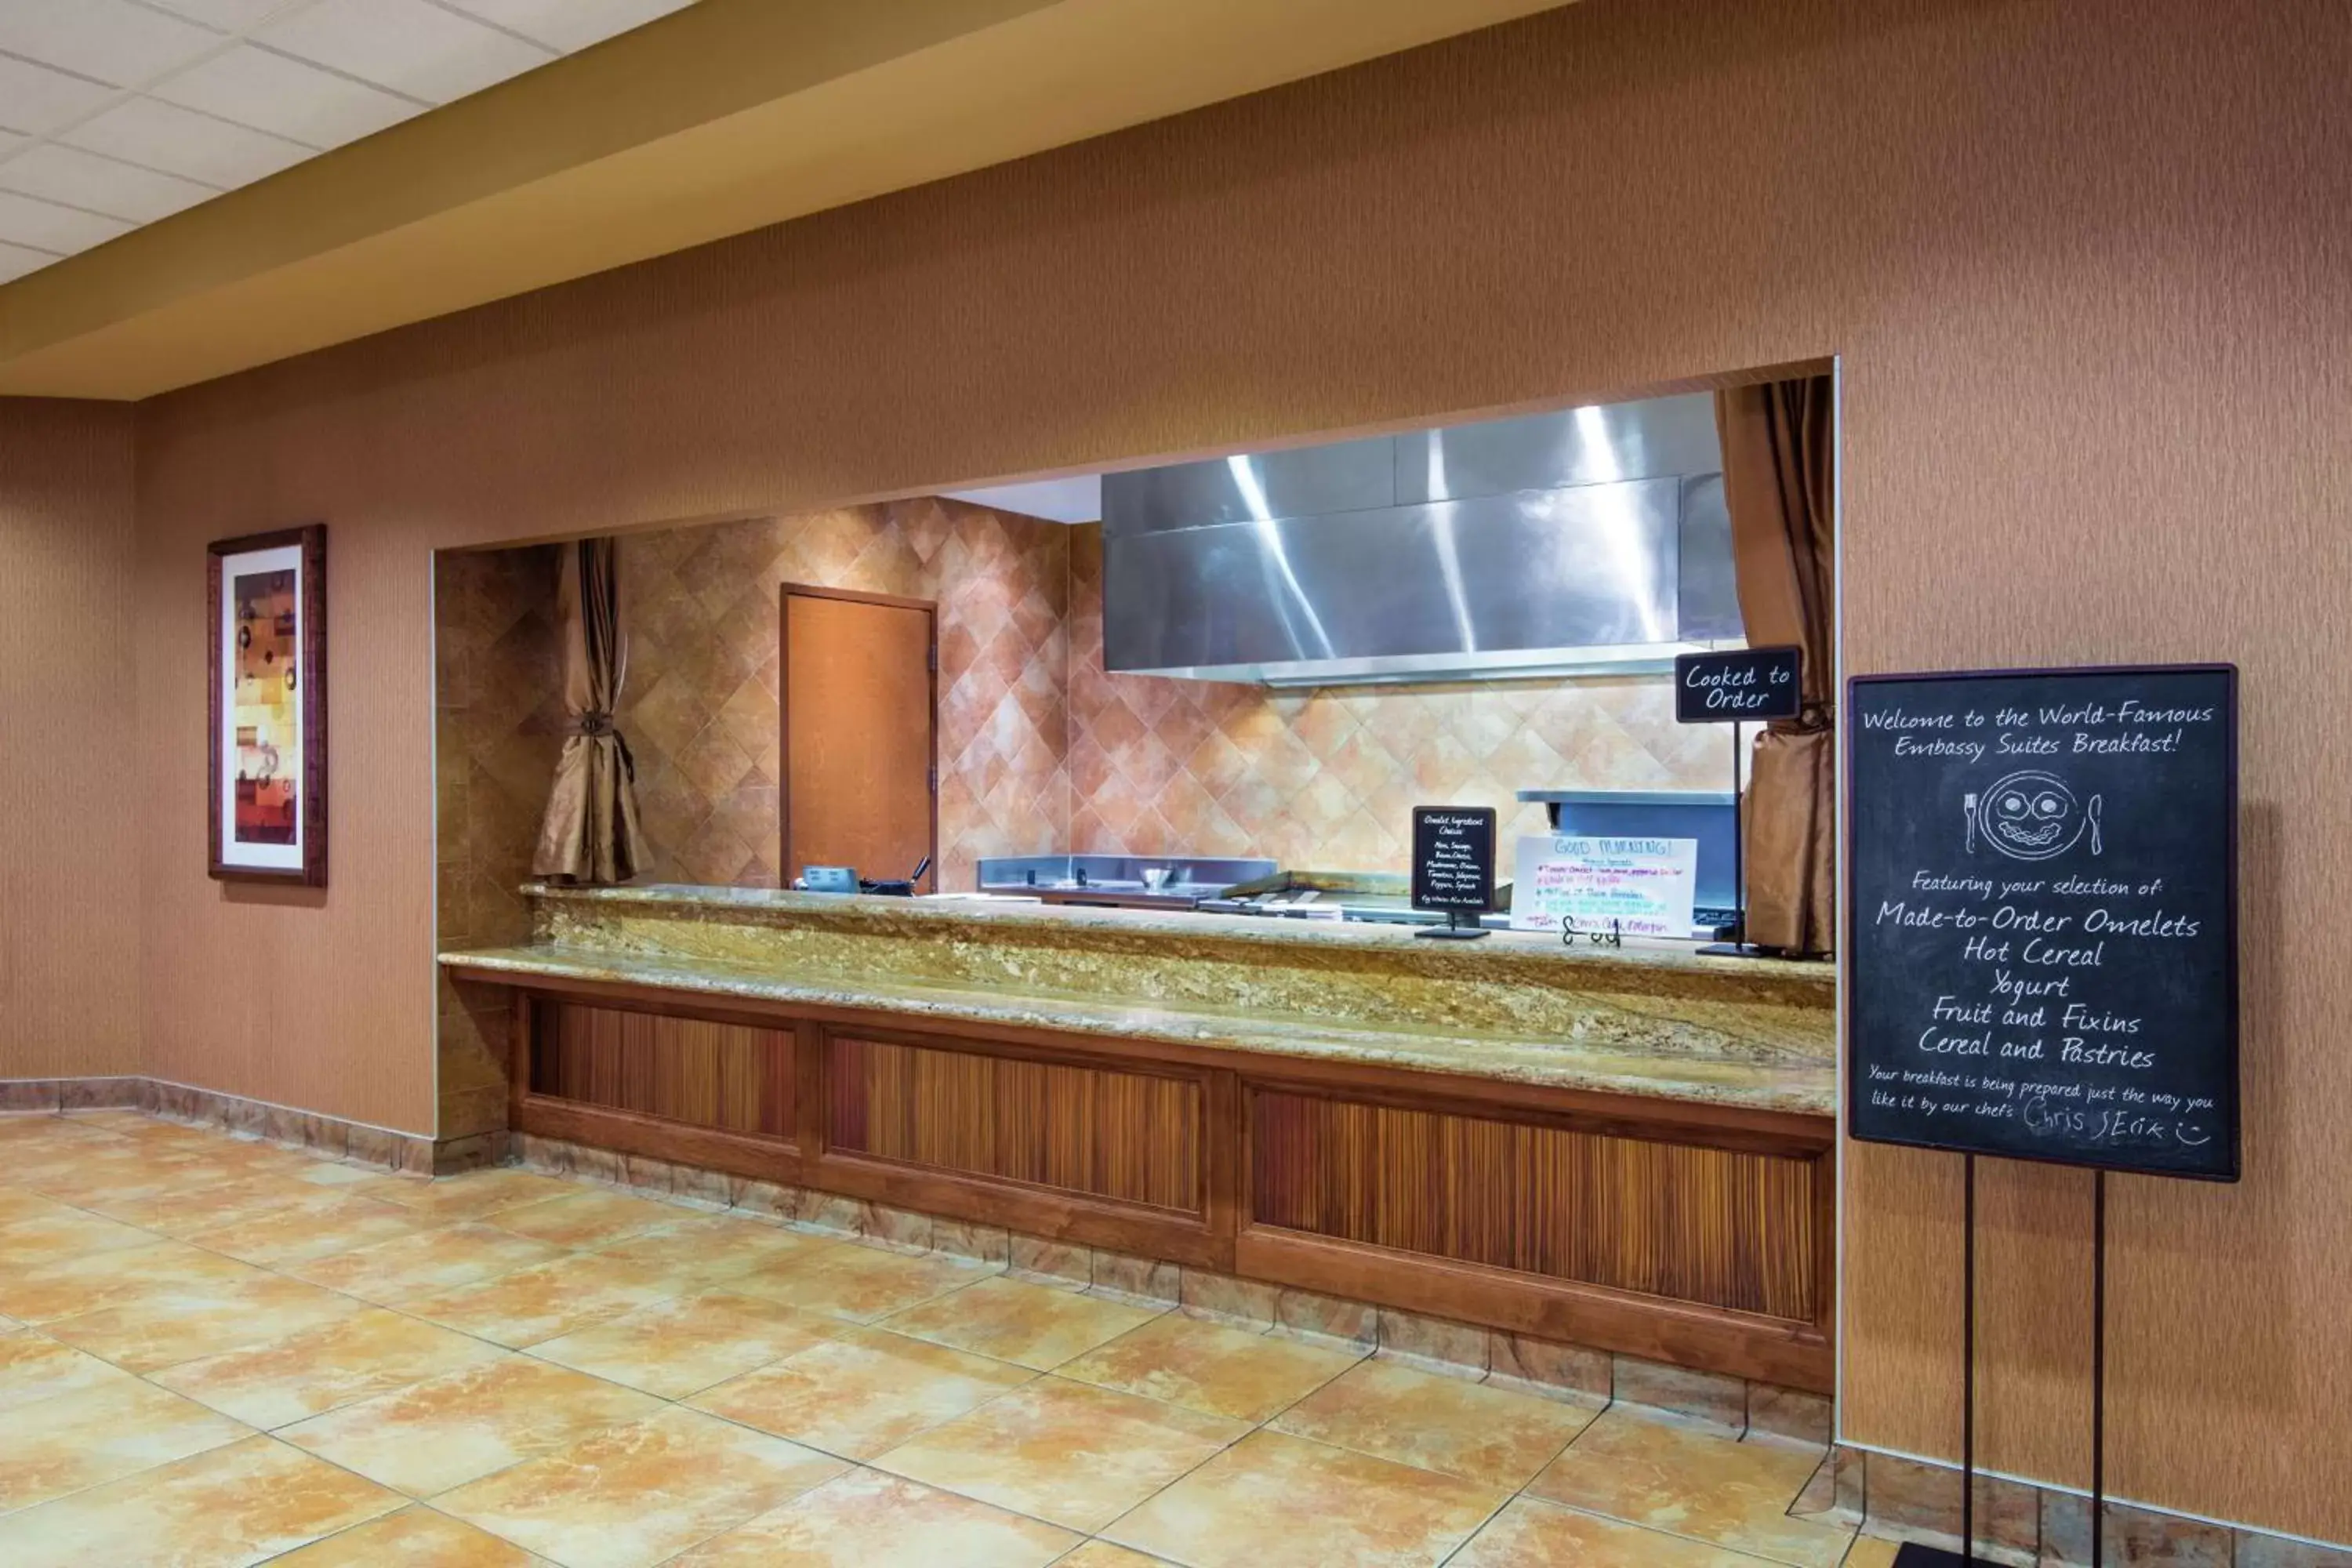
(1637, 963)
(1649, 1019)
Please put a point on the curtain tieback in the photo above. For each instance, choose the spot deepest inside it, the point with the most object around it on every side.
(1813, 718)
(596, 724)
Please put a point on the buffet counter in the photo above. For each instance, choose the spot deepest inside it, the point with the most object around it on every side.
(1629, 1148)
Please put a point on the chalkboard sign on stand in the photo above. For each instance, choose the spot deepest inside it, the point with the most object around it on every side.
(1454, 865)
(2043, 929)
(2041, 935)
(1759, 683)
(1739, 686)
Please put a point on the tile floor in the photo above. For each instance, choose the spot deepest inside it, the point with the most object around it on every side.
(215, 1351)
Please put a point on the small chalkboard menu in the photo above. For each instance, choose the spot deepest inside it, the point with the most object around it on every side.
(1743, 684)
(2042, 926)
(1454, 858)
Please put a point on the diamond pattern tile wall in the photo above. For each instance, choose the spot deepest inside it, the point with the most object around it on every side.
(699, 706)
(499, 724)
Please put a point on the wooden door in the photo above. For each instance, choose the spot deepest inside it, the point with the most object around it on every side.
(861, 719)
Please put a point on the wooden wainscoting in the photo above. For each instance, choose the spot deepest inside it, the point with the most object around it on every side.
(736, 1078)
(1722, 1227)
(1129, 1137)
(1696, 1234)
(1711, 1246)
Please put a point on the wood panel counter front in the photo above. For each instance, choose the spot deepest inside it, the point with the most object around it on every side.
(1632, 1151)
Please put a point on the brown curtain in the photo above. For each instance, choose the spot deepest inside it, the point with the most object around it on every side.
(1777, 482)
(591, 833)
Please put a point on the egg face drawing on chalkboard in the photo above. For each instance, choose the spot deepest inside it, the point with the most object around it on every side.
(2033, 815)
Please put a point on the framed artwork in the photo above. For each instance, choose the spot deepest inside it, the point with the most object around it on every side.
(269, 705)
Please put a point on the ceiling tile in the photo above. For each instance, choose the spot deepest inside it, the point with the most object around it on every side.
(24, 220)
(408, 45)
(15, 261)
(112, 40)
(570, 25)
(182, 141)
(36, 99)
(257, 88)
(229, 15)
(85, 180)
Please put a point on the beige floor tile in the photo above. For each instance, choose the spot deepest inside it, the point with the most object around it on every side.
(860, 1283)
(1869, 1552)
(1277, 1501)
(18, 1205)
(585, 1217)
(415, 1537)
(1212, 1368)
(119, 1276)
(470, 1196)
(212, 1206)
(101, 1279)
(634, 1495)
(1105, 1554)
(1532, 1534)
(688, 1343)
(320, 1226)
(31, 1128)
(865, 1519)
(1066, 1452)
(431, 1261)
(1652, 1472)
(1012, 1319)
(63, 1234)
(863, 1391)
(92, 1435)
(713, 1248)
(34, 1366)
(1491, 1436)
(86, 1173)
(234, 1506)
(369, 1353)
(450, 1430)
(333, 1174)
(165, 1328)
(571, 1293)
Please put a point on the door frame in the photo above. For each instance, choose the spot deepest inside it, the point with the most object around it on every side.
(930, 611)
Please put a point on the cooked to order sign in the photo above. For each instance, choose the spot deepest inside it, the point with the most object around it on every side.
(1646, 886)
(2043, 933)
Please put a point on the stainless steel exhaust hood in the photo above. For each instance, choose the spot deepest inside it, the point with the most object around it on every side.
(1575, 542)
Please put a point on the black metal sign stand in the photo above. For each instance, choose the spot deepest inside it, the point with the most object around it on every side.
(1913, 1554)
(1780, 697)
(2177, 791)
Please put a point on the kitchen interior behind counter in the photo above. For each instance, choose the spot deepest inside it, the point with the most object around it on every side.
(1041, 750)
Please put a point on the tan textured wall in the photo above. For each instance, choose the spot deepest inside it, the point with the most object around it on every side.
(69, 774)
(2087, 266)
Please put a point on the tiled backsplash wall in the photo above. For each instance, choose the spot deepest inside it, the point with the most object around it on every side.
(1325, 779)
(1039, 748)
(699, 706)
(498, 728)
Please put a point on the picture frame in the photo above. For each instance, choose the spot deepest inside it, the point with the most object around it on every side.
(267, 709)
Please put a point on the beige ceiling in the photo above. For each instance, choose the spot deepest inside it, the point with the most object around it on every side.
(114, 113)
(720, 118)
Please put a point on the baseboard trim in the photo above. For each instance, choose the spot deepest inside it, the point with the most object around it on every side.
(335, 1136)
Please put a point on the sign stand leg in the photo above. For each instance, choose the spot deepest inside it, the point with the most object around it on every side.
(1912, 1554)
(1738, 947)
(1738, 865)
(2098, 1367)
